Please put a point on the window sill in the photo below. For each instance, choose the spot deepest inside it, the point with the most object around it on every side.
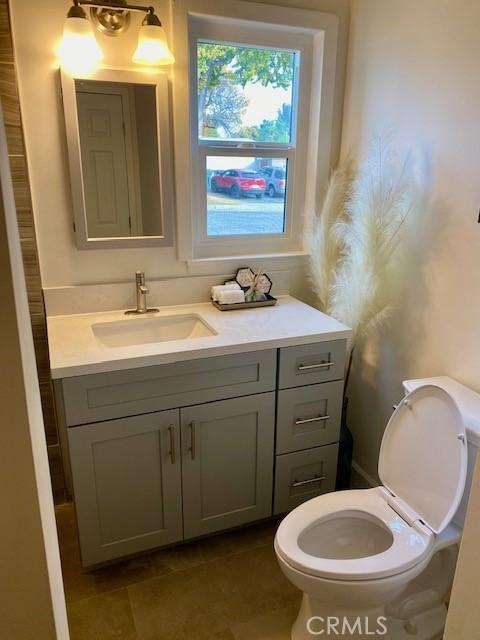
(269, 260)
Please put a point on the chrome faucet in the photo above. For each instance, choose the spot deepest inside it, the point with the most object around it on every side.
(142, 291)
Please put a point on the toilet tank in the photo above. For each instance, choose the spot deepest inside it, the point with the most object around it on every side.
(468, 402)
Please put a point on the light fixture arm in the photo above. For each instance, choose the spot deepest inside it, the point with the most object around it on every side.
(121, 7)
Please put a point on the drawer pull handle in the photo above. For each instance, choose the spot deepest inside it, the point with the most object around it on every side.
(193, 445)
(320, 365)
(316, 419)
(172, 443)
(301, 483)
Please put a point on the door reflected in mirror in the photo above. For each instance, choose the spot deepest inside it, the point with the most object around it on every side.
(121, 165)
(119, 147)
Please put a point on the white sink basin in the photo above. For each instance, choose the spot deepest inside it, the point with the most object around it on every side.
(145, 330)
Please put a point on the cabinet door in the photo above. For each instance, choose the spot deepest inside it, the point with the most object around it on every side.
(227, 463)
(127, 485)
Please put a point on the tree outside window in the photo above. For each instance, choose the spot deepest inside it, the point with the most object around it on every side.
(244, 93)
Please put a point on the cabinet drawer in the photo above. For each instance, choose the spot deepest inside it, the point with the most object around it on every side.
(311, 363)
(104, 396)
(308, 416)
(303, 475)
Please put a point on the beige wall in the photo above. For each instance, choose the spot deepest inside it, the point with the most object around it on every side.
(413, 75)
(61, 263)
(31, 590)
(463, 620)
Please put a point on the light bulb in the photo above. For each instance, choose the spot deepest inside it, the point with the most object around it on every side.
(79, 51)
(152, 46)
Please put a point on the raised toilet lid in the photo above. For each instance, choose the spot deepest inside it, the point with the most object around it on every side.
(423, 457)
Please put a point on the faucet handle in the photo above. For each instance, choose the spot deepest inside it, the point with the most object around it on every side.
(142, 291)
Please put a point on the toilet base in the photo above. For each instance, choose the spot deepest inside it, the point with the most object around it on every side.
(313, 621)
(409, 609)
(319, 619)
(426, 626)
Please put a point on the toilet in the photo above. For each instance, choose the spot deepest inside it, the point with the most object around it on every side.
(380, 562)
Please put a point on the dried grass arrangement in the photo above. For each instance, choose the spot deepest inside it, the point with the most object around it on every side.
(355, 238)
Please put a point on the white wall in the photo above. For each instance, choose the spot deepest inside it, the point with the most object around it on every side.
(413, 72)
(61, 263)
(31, 587)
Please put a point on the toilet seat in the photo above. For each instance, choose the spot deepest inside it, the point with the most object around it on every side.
(423, 457)
(422, 466)
(410, 544)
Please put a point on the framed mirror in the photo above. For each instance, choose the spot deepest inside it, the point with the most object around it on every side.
(118, 139)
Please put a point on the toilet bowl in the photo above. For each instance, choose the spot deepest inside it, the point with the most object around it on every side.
(354, 553)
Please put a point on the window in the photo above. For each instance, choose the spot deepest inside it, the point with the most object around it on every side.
(246, 97)
(244, 93)
(255, 87)
(245, 201)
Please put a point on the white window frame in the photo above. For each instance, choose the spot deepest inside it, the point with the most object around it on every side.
(313, 35)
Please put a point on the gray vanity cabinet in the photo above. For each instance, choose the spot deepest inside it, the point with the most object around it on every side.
(227, 463)
(174, 451)
(127, 485)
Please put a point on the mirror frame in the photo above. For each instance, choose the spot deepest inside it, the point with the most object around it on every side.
(165, 159)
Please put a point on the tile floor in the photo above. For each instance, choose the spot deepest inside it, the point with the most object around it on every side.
(226, 587)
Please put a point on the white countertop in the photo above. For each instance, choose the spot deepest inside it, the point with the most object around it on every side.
(75, 350)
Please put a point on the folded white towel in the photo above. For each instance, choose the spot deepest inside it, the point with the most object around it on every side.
(228, 286)
(231, 296)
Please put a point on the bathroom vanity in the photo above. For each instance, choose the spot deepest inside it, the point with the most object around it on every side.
(177, 438)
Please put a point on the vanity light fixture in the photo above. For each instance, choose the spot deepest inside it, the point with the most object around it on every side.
(79, 50)
(152, 42)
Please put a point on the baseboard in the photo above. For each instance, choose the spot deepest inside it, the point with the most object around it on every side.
(361, 479)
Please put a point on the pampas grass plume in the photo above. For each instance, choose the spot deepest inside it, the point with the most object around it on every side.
(363, 289)
(324, 243)
(354, 241)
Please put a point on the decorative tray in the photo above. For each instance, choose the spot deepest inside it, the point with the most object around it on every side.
(269, 302)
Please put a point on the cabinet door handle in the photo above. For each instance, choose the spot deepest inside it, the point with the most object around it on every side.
(171, 431)
(316, 419)
(320, 365)
(300, 483)
(193, 441)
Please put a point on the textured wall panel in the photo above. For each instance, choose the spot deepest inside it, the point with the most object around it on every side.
(23, 202)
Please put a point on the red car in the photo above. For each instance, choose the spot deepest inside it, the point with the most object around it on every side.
(238, 182)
